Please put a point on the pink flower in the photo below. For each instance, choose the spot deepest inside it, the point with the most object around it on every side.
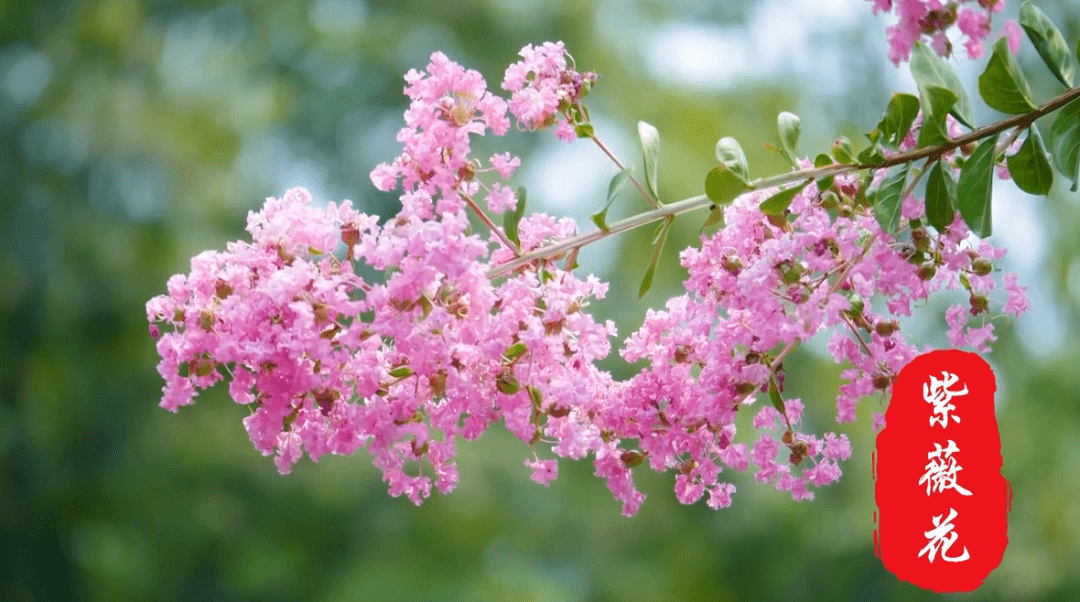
(505, 164)
(545, 87)
(1011, 33)
(1017, 303)
(544, 471)
(972, 23)
(501, 198)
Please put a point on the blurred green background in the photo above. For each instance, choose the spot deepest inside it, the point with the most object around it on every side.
(135, 134)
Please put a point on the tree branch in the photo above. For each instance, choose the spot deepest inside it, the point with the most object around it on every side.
(697, 202)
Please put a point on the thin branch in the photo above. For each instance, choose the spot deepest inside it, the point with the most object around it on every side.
(491, 226)
(645, 193)
(697, 202)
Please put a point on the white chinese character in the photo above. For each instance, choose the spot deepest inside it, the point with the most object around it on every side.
(942, 537)
(941, 470)
(937, 392)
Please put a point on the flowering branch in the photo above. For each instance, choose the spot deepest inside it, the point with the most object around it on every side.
(700, 201)
(455, 336)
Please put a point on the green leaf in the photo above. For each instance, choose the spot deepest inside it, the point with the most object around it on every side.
(722, 185)
(650, 144)
(871, 155)
(536, 395)
(824, 182)
(936, 103)
(515, 351)
(1002, 85)
(774, 396)
(1065, 141)
(511, 218)
(716, 216)
(1030, 167)
(940, 197)
(731, 156)
(842, 151)
(777, 203)
(929, 70)
(1048, 41)
(617, 183)
(646, 282)
(401, 372)
(974, 188)
(888, 199)
(899, 115)
(790, 127)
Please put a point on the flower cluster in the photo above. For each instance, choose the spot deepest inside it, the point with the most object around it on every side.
(929, 22)
(330, 363)
(765, 284)
(437, 349)
(546, 89)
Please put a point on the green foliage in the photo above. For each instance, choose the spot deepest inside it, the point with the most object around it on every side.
(774, 396)
(722, 185)
(1048, 41)
(888, 198)
(789, 126)
(1002, 85)
(1065, 141)
(658, 246)
(1030, 167)
(614, 187)
(650, 145)
(931, 71)
(732, 157)
(777, 203)
(894, 125)
(716, 217)
(842, 151)
(936, 104)
(941, 204)
(975, 187)
(511, 219)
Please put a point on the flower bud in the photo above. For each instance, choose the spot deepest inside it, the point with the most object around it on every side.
(437, 382)
(981, 266)
(201, 366)
(732, 264)
(885, 328)
(745, 388)
(632, 458)
(350, 235)
(206, 320)
(979, 304)
(558, 411)
(222, 289)
(857, 305)
(508, 383)
(927, 271)
(882, 381)
(921, 239)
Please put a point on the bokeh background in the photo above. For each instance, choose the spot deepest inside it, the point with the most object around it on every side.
(134, 134)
